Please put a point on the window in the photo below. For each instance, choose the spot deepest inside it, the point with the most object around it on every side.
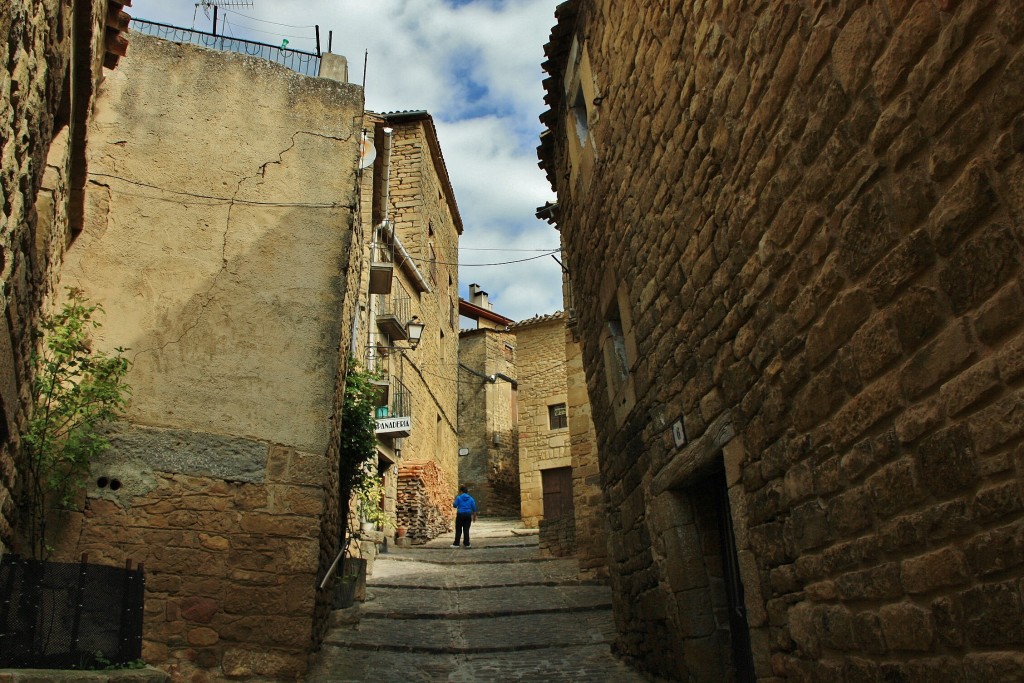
(509, 352)
(557, 417)
(433, 264)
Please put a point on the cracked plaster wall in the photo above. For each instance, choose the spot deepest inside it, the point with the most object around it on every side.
(220, 239)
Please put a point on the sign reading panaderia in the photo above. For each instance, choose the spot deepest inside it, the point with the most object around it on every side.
(394, 424)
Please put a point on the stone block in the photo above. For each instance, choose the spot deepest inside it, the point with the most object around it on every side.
(939, 569)
(905, 47)
(917, 420)
(979, 267)
(962, 209)
(992, 614)
(994, 666)
(837, 325)
(907, 627)
(866, 409)
(877, 583)
(997, 502)
(999, 423)
(875, 346)
(996, 550)
(895, 487)
(1011, 360)
(936, 361)
(917, 315)
(198, 609)
(1000, 314)
(947, 461)
(902, 264)
(970, 386)
(243, 663)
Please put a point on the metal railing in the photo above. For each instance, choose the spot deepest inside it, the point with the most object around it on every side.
(397, 305)
(306, 63)
(399, 402)
(383, 250)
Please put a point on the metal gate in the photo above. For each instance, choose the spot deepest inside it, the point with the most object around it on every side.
(739, 631)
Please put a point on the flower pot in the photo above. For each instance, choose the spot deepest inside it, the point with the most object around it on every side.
(401, 531)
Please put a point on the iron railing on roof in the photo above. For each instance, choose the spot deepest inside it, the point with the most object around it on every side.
(306, 63)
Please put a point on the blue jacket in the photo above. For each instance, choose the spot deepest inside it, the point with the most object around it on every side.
(464, 504)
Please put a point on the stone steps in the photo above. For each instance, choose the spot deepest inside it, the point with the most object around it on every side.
(498, 611)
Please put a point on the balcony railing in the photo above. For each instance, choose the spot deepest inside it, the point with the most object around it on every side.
(394, 412)
(382, 262)
(306, 63)
(393, 312)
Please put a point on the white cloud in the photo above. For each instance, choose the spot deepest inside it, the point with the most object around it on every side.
(475, 66)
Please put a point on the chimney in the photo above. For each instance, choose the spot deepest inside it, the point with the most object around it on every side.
(478, 297)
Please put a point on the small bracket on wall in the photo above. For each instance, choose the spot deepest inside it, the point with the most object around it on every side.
(679, 433)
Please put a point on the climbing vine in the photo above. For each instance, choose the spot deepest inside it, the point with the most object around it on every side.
(75, 391)
(358, 443)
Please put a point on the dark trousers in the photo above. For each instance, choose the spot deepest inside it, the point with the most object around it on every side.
(462, 522)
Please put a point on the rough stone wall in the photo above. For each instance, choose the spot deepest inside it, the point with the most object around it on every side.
(558, 536)
(591, 534)
(540, 350)
(424, 501)
(421, 217)
(41, 144)
(800, 230)
(219, 239)
(486, 410)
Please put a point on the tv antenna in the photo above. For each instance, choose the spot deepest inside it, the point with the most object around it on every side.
(217, 4)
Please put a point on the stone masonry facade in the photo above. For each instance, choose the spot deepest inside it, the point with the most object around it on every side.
(542, 388)
(488, 411)
(42, 167)
(794, 235)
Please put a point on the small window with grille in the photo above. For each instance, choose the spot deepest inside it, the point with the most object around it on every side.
(557, 417)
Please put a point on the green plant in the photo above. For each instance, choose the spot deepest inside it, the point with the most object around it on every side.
(358, 442)
(74, 392)
(369, 493)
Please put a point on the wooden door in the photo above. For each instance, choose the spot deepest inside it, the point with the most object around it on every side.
(557, 485)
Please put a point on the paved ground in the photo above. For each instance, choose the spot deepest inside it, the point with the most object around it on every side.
(493, 612)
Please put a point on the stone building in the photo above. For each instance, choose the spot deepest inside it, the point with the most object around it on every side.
(488, 408)
(545, 461)
(793, 237)
(412, 287)
(221, 238)
(527, 441)
(43, 168)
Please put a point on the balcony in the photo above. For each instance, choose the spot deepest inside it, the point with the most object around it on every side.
(393, 315)
(394, 410)
(382, 263)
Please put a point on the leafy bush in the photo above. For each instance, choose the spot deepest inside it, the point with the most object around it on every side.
(74, 392)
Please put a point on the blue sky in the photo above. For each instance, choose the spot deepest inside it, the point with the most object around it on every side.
(475, 66)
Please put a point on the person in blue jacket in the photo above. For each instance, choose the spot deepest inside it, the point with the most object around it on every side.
(465, 515)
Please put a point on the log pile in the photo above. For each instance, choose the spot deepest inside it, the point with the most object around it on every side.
(424, 501)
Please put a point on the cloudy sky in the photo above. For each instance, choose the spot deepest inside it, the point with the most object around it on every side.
(475, 66)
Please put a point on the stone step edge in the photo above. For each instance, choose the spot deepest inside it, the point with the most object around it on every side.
(456, 650)
(522, 560)
(484, 586)
(444, 616)
(476, 547)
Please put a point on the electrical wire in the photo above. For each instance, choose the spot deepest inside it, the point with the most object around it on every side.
(507, 250)
(227, 200)
(481, 265)
(266, 21)
(270, 33)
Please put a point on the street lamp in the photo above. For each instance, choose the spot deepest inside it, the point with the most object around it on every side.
(414, 328)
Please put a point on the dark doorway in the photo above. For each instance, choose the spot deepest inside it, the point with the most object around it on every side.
(739, 632)
(557, 485)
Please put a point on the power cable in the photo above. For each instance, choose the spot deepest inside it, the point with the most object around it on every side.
(228, 200)
(267, 21)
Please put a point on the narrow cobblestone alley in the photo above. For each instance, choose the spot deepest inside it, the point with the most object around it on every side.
(495, 612)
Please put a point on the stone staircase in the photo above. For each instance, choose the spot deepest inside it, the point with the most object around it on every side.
(494, 612)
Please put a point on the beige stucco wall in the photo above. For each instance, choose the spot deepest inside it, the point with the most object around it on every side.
(219, 239)
(227, 304)
(540, 357)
